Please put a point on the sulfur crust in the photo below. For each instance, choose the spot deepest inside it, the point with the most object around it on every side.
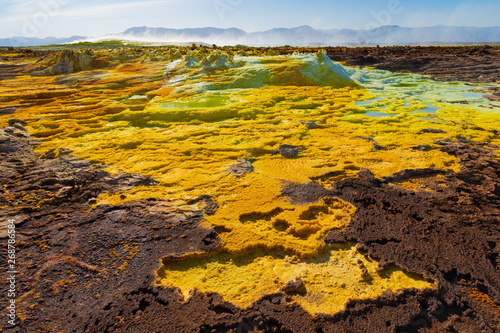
(330, 278)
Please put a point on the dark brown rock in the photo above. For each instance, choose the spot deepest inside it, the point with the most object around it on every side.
(241, 167)
(288, 151)
(303, 193)
(432, 130)
(458, 63)
(422, 148)
(294, 287)
(21, 122)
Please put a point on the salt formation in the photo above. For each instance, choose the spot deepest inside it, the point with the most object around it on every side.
(224, 71)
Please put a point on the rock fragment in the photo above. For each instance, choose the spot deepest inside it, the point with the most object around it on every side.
(432, 130)
(63, 192)
(294, 287)
(21, 122)
(365, 138)
(376, 147)
(241, 167)
(310, 124)
(288, 151)
(422, 148)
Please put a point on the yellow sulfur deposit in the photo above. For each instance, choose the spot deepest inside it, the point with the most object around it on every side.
(276, 224)
(188, 149)
(184, 117)
(329, 278)
(278, 242)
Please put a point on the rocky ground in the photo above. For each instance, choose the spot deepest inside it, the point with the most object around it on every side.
(470, 64)
(91, 269)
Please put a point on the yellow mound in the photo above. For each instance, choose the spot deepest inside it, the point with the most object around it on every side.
(329, 279)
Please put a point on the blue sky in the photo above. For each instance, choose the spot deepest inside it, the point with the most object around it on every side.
(62, 18)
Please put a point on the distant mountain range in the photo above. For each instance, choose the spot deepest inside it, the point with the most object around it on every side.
(25, 41)
(300, 36)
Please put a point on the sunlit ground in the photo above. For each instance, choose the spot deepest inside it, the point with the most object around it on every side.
(184, 123)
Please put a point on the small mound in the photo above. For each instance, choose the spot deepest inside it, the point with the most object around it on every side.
(226, 71)
(69, 61)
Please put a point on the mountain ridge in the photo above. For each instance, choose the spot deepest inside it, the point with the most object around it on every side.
(298, 36)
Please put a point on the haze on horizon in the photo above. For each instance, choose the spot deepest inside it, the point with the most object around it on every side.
(63, 18)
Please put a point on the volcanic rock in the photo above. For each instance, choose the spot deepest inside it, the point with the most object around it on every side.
(432, 130)
(293, 286)
(422, 148)
(288, 151)
(309, 124)
(241, 167)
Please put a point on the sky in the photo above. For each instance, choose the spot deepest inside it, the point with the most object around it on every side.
(64, 18)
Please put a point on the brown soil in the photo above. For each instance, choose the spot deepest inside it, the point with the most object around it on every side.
(461, 63)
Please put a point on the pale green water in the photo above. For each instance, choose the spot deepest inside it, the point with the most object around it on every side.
(205, 101)
(370, 101)
(387, 86)
(430, 109)
(375, 114)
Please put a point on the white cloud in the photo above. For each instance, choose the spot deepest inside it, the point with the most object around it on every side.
(97, 17)
(18, 10)
(106, 9)
(64, 17)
